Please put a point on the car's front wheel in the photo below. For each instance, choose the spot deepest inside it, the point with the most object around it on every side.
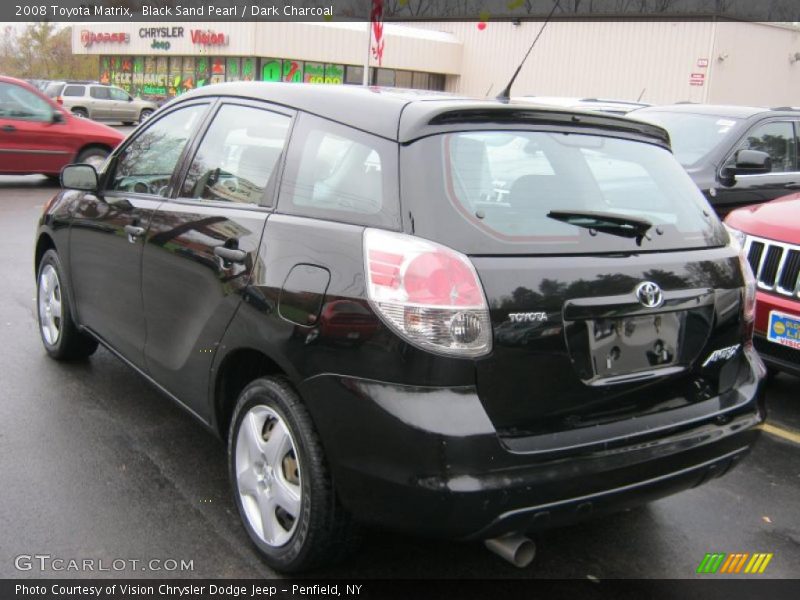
(144, 115)
(281, 482)
(61, 337)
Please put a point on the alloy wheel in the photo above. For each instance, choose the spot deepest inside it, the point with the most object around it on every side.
(50, 305)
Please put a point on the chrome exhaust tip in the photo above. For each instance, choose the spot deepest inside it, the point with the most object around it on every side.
(515, 548)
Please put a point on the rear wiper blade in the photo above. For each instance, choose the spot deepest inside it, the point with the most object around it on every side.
(621, 225)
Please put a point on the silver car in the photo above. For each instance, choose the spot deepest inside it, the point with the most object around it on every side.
(105, 103)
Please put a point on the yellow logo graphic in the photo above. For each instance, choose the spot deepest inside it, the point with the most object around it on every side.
(779, 328)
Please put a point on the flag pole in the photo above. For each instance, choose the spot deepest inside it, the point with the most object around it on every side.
(365, 79)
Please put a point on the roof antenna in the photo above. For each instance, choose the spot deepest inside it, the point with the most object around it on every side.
(505, 95)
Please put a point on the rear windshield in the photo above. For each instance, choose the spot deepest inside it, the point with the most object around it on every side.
(489, 192)
(692, 136)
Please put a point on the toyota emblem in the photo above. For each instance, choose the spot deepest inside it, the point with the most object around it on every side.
(649, 294)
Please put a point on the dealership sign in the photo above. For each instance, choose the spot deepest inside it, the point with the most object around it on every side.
(209, 38)
(91, 37)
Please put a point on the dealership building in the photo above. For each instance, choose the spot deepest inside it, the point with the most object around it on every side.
(653, 61)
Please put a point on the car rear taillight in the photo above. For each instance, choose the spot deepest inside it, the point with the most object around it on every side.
(60, 100)
(748, 300)
(429, 294)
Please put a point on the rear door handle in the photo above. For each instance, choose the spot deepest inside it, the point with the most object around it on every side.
(233, 255)
(133, 232)
(9, 128)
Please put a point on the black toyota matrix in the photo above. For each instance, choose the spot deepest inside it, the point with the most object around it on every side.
(458, 318)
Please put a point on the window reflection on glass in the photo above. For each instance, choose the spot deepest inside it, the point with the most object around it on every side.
(337, 172)
(237, 155)
(777, 140)
(147, 163)
(19, 103)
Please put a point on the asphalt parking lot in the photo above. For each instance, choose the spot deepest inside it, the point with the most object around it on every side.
(97, 464)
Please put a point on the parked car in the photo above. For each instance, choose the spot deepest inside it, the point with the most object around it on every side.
(38, 136)
(101, 102)
(615, 107)
(770, 237)
(242, 213)
(737, 155)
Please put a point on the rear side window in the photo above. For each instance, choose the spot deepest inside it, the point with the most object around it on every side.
(73, 90)
(100, 93)
(339, 173)
(487, 191)
(238, 155)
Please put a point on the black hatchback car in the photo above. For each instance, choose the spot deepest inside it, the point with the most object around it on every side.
(737, 155)
(444, 316)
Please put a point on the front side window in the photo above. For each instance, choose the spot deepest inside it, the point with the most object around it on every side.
(146, 164)
(238, 155)
(776, 139)
(18, 103)
(118, 94)
(337, 172)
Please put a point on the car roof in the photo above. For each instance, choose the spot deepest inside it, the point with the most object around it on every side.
(721, 110)
(379, 110)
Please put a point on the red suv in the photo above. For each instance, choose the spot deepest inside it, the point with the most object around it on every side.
(38, 136)
(770, 236)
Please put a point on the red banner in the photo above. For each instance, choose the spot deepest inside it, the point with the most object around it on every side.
(376, 18)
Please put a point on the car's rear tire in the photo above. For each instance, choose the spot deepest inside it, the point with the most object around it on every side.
(144, 115)
(283, 489)
(93, 156)
(127, 123)
(80, 112)
(60, 335)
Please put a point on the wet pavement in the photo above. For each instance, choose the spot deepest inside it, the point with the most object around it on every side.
(96, 464)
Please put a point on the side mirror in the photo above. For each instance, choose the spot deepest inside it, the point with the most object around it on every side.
(752, 162)
(58, 117)
(79, 177)
(747, 162)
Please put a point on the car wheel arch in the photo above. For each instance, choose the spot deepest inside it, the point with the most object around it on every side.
(238, 368)
(43, 244)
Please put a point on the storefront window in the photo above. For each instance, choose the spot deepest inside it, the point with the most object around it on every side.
(334, 74)
(188, 80)
(385, 77)
(137, 81)
(105, 70)
(314, 73)
(403, 79)
(248, 69)
(354, 75)
(436, 82)
(420, 81)
(232, 69)
(293, 71)
(175, 75)
(271, 69)
(202, 70)
(217, 70)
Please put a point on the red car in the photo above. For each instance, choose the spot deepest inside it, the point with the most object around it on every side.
(770, 236)
(38, 136)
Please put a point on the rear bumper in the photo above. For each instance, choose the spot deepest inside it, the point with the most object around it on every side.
(428, 461)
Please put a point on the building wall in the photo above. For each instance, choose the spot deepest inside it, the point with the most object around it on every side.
(589, 58)
(620, 59)
(750, 65)
(405, 47)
